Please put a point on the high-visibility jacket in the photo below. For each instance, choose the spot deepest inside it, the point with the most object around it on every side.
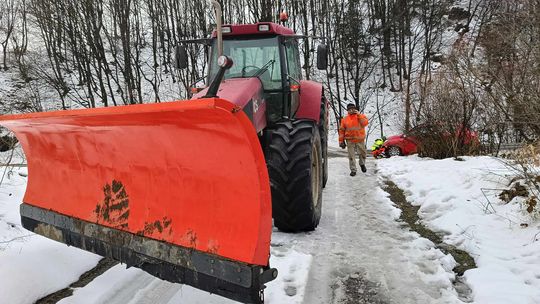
(352, 128)
(377, 144)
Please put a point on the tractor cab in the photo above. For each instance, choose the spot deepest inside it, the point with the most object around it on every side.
(269, 52)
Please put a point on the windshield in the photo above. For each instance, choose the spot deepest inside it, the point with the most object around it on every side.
(252, 58)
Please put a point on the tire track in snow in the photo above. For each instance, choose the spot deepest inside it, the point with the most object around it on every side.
(102, 266)
(359, 239)
(146, 289)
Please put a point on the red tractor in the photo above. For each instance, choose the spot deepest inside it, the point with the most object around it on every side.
(187, 190)
(261, 74)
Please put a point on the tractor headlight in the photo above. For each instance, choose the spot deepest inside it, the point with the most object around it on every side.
(224, 62)
(264, 27)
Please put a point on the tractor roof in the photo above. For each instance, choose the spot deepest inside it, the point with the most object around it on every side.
(260, 28)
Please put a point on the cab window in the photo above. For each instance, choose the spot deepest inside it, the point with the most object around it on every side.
(252, 58)
(293, 59)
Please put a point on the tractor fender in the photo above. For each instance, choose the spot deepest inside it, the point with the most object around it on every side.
(310, 100)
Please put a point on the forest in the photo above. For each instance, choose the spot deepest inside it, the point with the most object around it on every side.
(466, 64)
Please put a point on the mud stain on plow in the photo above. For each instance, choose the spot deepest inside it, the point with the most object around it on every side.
(409, 215)
(114, 209)
(87, 277)
(160, 226)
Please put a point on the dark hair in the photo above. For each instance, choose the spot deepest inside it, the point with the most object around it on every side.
(351, 105)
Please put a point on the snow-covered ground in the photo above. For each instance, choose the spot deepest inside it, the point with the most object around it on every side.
(358, 237)
(451, 197)
(31, 266)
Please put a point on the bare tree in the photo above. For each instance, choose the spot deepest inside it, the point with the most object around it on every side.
(512, 67)
(19, 42)
(8, 12)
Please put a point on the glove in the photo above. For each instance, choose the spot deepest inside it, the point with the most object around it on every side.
(342, 145)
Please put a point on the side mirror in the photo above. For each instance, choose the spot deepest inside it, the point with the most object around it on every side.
(180, 57)
(322, 56)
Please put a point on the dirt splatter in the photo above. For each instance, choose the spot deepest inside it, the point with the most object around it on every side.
(161, 226)
(213, 246)
(191, 238)
(114, 209)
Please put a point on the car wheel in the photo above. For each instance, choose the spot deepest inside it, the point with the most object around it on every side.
(393, 151)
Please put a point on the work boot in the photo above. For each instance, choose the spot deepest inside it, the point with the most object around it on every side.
(353, 173)
(363, 167)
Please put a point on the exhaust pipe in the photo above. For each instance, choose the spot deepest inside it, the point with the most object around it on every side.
(217, 11)
(224, 62)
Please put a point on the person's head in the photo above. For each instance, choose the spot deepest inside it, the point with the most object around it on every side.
(351, 108)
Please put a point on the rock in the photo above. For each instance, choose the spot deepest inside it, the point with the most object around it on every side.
(458, 13)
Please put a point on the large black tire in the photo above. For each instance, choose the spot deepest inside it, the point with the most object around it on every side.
(294, 161)
(323, 132)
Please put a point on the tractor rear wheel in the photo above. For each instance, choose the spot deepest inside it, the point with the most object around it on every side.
(295, 168)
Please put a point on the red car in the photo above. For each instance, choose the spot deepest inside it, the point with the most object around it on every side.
(401, 145)
(407, 144)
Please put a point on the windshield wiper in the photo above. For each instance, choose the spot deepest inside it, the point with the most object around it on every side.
(257, 73)
(264, 68)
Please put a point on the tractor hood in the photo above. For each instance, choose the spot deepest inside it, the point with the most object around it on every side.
(246, 93)
(236, 90)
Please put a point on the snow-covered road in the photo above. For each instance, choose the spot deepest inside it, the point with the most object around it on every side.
(358, 235)
(358, 242)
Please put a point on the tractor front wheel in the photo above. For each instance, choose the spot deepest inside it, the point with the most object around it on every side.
(295, 167)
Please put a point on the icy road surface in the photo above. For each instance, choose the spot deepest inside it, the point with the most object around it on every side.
(358, 254)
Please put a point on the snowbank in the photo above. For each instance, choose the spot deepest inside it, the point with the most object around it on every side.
(32, 266)
(460, 199)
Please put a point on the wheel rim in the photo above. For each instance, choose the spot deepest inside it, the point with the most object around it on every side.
(393, 151)
(315, 175)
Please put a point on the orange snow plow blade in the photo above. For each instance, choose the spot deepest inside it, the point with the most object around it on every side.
(178, 189)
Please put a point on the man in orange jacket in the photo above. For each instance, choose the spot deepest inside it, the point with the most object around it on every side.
(352, 131)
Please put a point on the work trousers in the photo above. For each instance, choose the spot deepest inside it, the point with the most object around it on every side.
(352, 149)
